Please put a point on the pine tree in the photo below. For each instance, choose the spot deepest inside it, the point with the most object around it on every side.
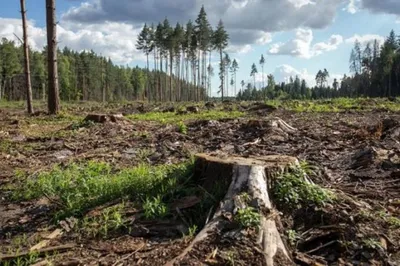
(203, 34)
(178, 41)
(51, 24)
(220, 42)
(28, 83)
(227, 64)
(262, 63)
(144, 43)
(253, 73)
(234, 68)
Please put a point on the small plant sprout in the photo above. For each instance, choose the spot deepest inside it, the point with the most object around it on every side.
(182, 128)
(292, 237)
(248, 217)
(154, 208)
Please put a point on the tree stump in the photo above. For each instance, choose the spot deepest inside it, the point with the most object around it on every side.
(102, 118)
(253, 176)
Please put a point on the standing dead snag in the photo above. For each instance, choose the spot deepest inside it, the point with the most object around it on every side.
(26, 60)
(250, 176)
(53, 97)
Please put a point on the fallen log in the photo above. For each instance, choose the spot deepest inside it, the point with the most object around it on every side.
(252, 176)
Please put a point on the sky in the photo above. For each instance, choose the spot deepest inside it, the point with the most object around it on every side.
(297, 37)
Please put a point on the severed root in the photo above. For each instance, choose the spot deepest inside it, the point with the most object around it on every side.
(252, 176)
(279, 123)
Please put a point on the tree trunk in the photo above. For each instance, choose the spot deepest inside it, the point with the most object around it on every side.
(148, 79)
(155, 75)
(171, 61)
(159, 77)
(44, 91)
(28, 83)
(222, 70)
(103, 83)
(166, 79)
(250, 176)
(198, 76)
(51, 24)
(1, 87)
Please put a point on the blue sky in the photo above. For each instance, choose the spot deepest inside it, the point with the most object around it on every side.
(296, 36)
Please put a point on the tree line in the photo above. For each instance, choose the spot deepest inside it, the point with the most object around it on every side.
(183, 70)
(374, 68)
(82, 76)
(182, 55)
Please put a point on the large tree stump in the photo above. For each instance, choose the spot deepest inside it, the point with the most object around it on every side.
(252, 176)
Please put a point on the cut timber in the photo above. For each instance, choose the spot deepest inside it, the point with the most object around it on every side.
(253, 176)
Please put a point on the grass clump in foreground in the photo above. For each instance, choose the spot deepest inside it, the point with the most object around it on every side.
(80, 187)
(292, 190)
(167, 118)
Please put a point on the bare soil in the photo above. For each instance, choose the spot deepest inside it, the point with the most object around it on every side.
(357, 155)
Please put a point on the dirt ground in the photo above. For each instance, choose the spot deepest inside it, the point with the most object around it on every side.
(356, 153)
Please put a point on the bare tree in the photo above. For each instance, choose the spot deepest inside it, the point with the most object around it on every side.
(26, 60)
(51, 24)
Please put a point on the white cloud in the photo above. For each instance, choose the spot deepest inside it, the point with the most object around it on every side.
(301, 46)
(300, 3)
(353, 6)
(283, 73)
(364, 39)
(110, 39)
(382, 6)
(10, 26)
(239, 49)
(238, 15)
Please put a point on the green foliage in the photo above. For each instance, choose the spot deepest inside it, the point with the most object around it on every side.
(109, 220)
(182, 128)
(382, 215)
(154, 208)
(192, 231)
(83, 123)
(28, 260)
(248, 217)
(167, 118)
(393, 221)
(293, 237)
(79, 187)
(293, 191)
(371, 243)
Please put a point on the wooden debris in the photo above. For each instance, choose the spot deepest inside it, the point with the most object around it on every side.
(129, 255)
(193, 109)
(102, 118)
(56, 233)
(40, 252)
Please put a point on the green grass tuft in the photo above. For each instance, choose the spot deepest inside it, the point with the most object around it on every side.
(80, 187)
(168, 118)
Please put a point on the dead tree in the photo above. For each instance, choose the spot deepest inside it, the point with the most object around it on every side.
(51, 24)
(26, 59)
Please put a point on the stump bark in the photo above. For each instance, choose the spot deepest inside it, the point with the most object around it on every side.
(253, 176)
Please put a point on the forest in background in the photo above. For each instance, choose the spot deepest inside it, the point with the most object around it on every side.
(182, 70)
